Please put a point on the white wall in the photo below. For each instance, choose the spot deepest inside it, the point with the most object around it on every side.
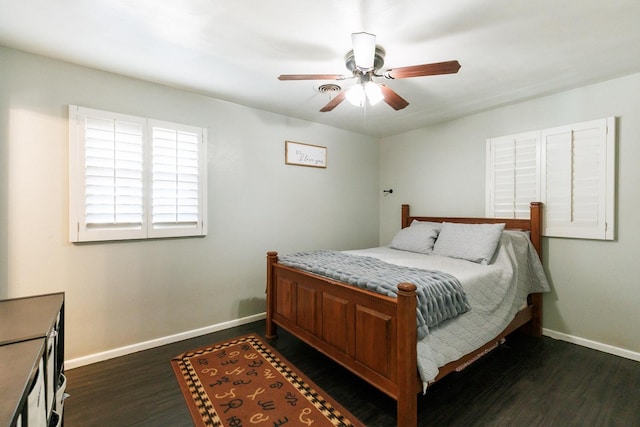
(123, 293)
(595, 284)
(120, 294)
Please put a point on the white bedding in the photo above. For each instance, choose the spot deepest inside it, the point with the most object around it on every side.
(495, 292)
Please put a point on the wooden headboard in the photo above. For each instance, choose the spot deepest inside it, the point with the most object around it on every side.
(533, 225)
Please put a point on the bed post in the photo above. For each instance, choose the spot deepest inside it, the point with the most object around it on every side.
(536, 226)
(405, 216)
(407, 369)
(535, 327)
(271, 332)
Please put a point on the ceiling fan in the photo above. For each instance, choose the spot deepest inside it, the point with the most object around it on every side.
(365, 61)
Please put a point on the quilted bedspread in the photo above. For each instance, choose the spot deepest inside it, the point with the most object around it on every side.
(440, 295)
(495, 293)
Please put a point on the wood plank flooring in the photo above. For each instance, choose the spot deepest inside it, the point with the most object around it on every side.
(525, 382)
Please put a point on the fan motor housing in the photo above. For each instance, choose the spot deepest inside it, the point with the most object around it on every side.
(378, 59)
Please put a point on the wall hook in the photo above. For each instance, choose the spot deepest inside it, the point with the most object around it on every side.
(389, 191)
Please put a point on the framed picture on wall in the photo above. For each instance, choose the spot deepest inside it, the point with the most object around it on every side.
(297, 153)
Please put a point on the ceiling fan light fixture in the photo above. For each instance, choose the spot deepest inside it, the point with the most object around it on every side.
(373, 92)
(356, 95)
(359, 94)
(364, 50)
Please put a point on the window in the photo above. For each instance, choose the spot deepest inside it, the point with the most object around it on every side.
(571, 169)
(134, 178)
(513, 175)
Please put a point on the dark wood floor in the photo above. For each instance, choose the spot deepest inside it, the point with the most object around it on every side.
(525, 382)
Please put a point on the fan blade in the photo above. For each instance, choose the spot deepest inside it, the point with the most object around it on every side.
(311, 77)
(448, 67)
(333, 103)
(393, 99)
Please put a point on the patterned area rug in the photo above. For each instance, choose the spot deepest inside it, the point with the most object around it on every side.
(245, 382)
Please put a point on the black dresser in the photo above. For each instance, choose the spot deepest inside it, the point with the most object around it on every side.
(32, 382)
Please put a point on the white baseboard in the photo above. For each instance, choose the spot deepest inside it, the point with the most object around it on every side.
(122, 351)
(606, 348)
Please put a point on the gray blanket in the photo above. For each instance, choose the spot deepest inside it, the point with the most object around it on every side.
(440, 295)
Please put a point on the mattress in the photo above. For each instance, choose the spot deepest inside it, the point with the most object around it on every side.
(495, 292)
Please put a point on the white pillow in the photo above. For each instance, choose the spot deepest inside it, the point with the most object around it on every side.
(473, 242)
(427, 225)
(418, 237)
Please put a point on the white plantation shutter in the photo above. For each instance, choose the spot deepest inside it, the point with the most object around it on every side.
(176, 178)
(113, 173)
(557, 182)
(578, 179)
(512, 175)
(571, 169)
(133, 178)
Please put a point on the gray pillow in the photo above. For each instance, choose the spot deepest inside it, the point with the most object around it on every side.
(418, 237)
(473, 242)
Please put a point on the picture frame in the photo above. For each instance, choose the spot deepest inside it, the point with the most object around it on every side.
(300, 154)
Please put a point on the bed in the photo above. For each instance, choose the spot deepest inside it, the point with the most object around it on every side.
(370, 333)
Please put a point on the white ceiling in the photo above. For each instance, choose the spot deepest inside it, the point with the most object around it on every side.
(510, 50)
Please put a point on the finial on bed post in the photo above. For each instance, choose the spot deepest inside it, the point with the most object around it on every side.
(271, 331)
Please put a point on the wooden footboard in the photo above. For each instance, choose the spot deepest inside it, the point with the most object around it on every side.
(367, 333)
(372, 335)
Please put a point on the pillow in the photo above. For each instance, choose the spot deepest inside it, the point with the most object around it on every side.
(427, 224)
(473, 242)
(418, 237)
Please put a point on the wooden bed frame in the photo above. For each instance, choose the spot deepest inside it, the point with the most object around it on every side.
(372, 335)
